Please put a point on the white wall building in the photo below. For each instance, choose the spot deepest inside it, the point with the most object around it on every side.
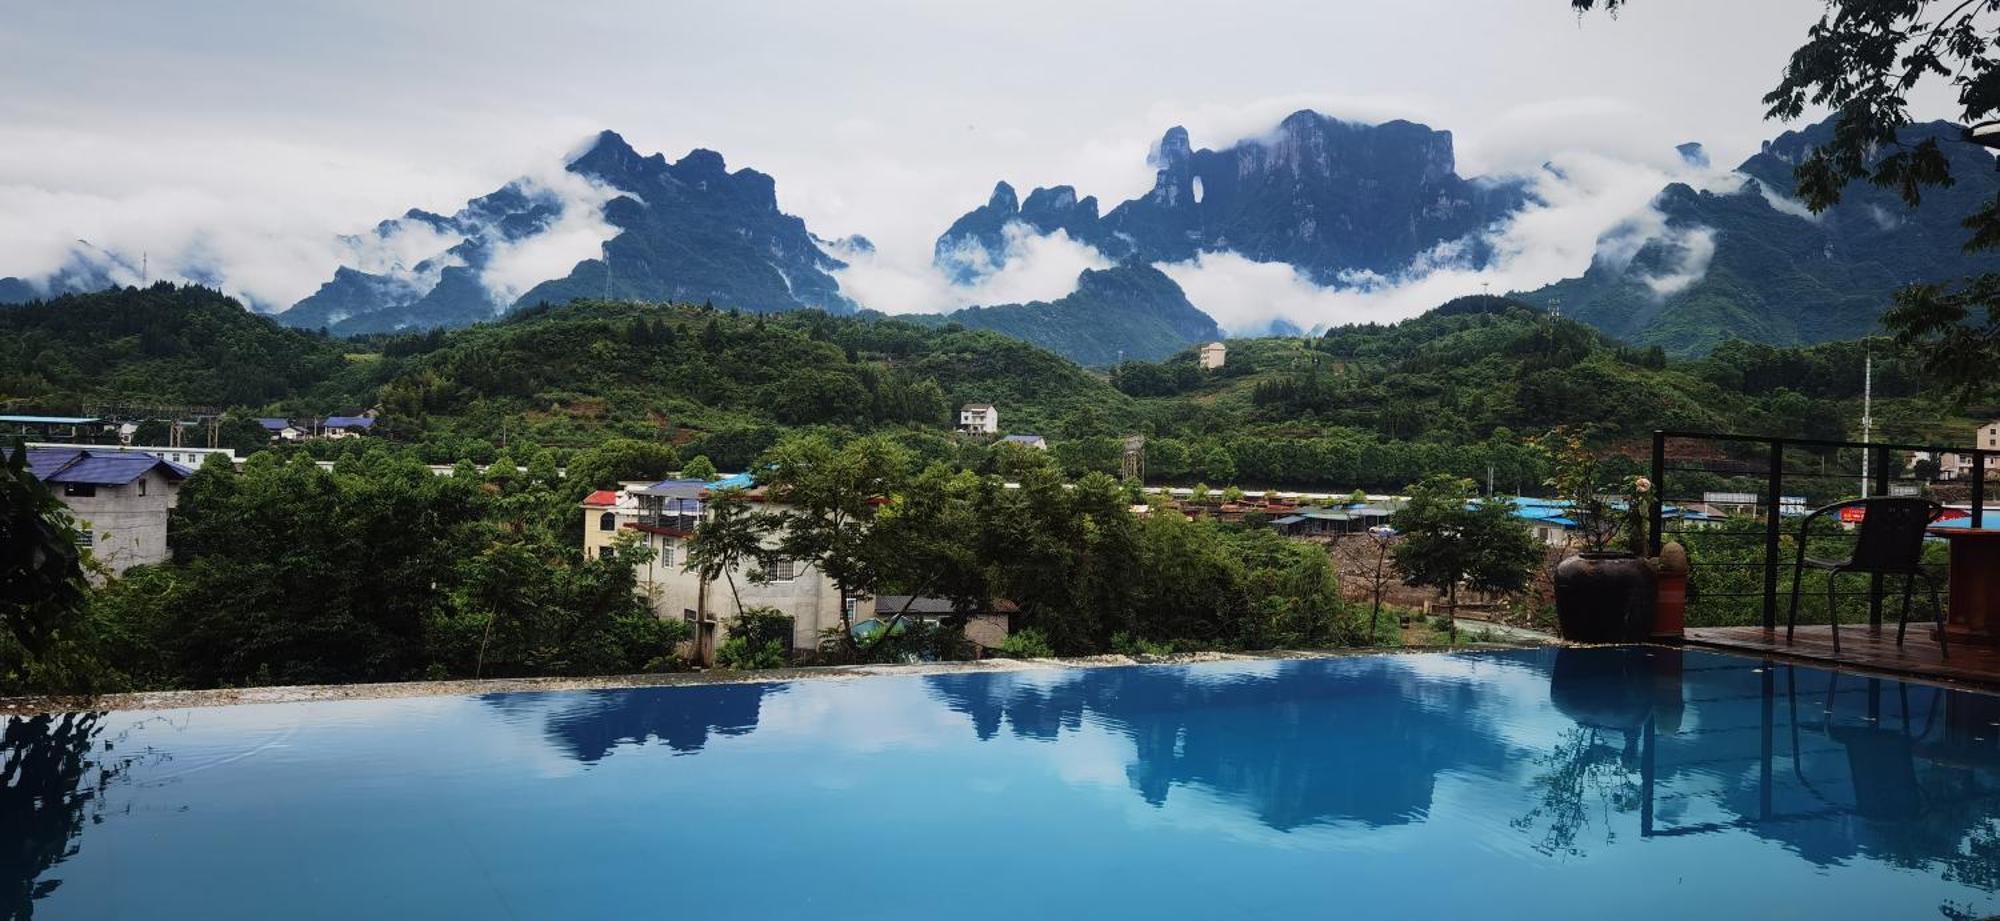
(1213, 355)
(979, 419)
(121, 500)
(663, 516)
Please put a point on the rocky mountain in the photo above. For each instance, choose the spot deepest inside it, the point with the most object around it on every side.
(1749, 262)
(1129, 311)
(1340, 201)
(689, 230)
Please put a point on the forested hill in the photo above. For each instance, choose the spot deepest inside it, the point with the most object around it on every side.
(1377, 406)
(162, 344)
(1464, 384)
(1128, 311)
(725, 381)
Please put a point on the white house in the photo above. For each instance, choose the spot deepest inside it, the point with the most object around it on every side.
(1213, 355)
(347, 426)
(978, 419)
(1028, 441)
(121, 499)
(663, 517)
(281, 429)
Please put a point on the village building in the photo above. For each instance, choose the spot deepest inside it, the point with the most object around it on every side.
(663, 516)
(978, 419)
(120, 499)
(346, 426)
(281, 429)
(1028, 441)
(1213, 355)
(986, 629)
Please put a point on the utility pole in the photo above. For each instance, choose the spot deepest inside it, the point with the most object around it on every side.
(1867, 415)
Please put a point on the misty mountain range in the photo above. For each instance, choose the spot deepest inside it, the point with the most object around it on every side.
(1343, 204)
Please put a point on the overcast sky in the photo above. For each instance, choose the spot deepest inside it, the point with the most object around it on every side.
(254, 129)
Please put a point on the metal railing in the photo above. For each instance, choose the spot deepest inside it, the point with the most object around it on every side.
(1773, 470)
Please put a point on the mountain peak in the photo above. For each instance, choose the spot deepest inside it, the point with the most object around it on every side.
(607, 143)
(1003, 198)
(1173, 150)
(702, 160)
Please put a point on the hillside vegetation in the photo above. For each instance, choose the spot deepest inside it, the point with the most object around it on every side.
(1458, 389)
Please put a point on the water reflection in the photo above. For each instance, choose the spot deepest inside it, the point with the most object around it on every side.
(588, 725)
(55, 773)
(1639, 741)
(1290, 750)
(1739, 772)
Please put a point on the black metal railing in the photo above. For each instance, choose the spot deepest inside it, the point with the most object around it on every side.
(1739, 561)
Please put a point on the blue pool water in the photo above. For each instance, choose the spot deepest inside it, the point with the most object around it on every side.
(1548, 784)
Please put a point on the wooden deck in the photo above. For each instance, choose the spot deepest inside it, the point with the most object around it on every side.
(1862, 648)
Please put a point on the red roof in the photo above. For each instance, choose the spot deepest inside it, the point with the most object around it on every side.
(602, 497)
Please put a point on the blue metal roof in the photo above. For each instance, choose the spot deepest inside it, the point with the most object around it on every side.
(1023, 439)
(83, 467)
(733, 481)
(349, 422)
(50, 420)
(275, 425)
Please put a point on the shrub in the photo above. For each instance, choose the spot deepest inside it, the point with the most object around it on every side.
(740, 653)
(1026, 644)
(758, 638)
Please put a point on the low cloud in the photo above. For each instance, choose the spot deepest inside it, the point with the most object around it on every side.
(1582, 199)
(1032, 268)
(579, 232)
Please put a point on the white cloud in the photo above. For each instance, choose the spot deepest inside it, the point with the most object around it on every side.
(1582, 197)
(254, 139)
(578, 233)
(1032, 268)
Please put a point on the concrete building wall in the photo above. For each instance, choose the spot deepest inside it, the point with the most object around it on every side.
(127, 525)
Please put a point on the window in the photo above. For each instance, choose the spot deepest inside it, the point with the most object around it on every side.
(142, 486)
(604, 552)
(607, 522)
(80, 489)
(781, 570)
(666, 553)
(86, 537)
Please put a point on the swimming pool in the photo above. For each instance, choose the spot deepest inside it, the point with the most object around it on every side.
(1584, 783)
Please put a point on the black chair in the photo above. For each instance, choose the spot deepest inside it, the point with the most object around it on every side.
(1889, 541)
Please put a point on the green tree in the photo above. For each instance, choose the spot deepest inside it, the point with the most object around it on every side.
(1449, 539)
(42, 588)
(603, 465)
(826, 498)
(699, 468)
(730, 538)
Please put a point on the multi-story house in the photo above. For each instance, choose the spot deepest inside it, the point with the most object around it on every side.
(1213, 355)
(121, 500)
(978, 419)
(663, 517)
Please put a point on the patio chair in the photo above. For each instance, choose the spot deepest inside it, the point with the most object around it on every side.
(1889, 541)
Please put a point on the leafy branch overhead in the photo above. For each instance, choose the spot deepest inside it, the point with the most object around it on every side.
(1864, 60)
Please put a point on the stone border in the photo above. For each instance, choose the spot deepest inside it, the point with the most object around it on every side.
(224, 697)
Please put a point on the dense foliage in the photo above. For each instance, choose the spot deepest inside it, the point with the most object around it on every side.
(376, 570)
(158, 344)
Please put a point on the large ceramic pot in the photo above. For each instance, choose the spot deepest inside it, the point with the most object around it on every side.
(1605, 597)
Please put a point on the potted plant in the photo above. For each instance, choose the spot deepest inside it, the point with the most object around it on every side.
(1606, 592)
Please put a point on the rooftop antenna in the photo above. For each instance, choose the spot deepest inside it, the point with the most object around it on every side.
(145, 269)
(1867, 415)
(1485, 288)
(605, 247)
